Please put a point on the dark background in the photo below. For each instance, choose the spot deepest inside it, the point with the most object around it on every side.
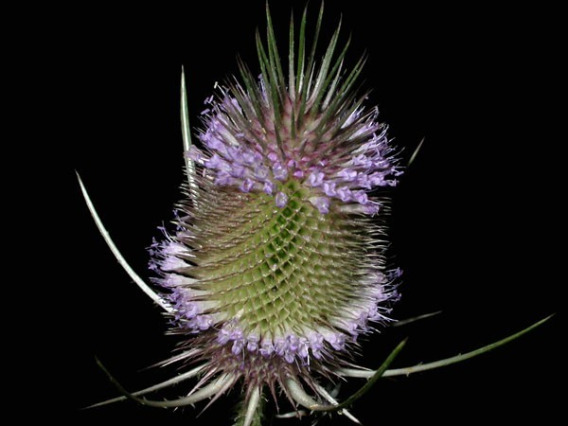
(471, 223)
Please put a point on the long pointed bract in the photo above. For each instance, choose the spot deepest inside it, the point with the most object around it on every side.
(252, 406)
(110, 243)
(326, 395)
(217, 387)
(416, 151)
(174, 380)
(186, 135)
(405, 371)
(300, 396)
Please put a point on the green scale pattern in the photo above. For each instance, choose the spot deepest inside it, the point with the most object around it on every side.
(276, 270)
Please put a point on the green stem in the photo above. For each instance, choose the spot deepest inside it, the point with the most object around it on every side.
(250, 411)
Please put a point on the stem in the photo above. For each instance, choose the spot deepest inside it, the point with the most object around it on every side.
(250, 411)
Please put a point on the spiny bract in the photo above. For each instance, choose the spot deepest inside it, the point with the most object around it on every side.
(277, 264)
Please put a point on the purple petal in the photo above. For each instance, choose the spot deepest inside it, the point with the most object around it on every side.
(279, 346)
(336, 340)
(224, 179)
(238, 346)
(393, 274)
(279, 172)
(329, 189)
(362, 161)
(171, 263)
(372, 208)
(281, 199)
(248, 157)
(266, 348)
(360, 197)
(344, 194)
(377, 179)
(321, 203)
(303, 347)
(204, 322)
(217, 163)
(223, 336)
(246, 185)
(363, 181)
(215, 144)
(293, 342)
(298, 174)
(268, 187)
(190, 310)
(172, 249)
(261, 172)
(236, 104)
(252, 342)
(315, 179)
(237, 171)
(316, 344)
(235, 153)
(236, 334)
(348, 175)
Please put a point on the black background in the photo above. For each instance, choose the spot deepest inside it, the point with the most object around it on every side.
(471, 217)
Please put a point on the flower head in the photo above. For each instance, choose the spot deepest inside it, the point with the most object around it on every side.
(277, 265)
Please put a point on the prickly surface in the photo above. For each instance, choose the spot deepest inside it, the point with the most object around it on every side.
(276, 270)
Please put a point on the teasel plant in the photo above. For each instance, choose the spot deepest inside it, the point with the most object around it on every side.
(274, 269)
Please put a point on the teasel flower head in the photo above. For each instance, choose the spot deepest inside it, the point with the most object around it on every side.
(277, 268)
